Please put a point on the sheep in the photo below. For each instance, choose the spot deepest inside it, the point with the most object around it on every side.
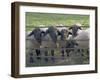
(27, 33)
(64, 34)
(43, 29)
(33, 41)
(60, 28)
(50, 37)
(75, 29)
(83, 38)
(62, 39)
(49, 41)
(80, 37)
(65, 43)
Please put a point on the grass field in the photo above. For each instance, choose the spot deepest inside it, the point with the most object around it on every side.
(47, 19)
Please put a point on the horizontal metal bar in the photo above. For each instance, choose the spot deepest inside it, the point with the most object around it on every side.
(60, 48)
(55, 56)
(64, 40)
(51, 57)
(49, 26)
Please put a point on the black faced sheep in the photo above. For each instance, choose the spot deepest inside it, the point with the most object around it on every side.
(75, 29)
(49, 41)
(81, 37)
(33, 41)
(62, 40)
(64, 43)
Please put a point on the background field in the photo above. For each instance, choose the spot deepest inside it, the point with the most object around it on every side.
(47, 19)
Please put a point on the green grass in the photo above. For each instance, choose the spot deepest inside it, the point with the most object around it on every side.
(36, 19)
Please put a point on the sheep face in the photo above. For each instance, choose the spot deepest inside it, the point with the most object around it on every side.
(53, 32)
(37, 34)
(64, 34)
(75, 29)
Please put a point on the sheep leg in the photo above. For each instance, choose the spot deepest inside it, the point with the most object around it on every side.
(31, 60)
(46, 54)
(62, 51)
(80, 51)
(38, 53)
(52, 54)
(87, 52)
(67, 51)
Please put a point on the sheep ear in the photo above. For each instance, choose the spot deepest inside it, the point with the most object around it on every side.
(31, 33)
(59, 33)
(76, 44)
(69, 33)
(47, 31)
(70, 28)
(43, 33)
(80, 28)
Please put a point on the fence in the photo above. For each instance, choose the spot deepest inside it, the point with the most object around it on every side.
(57, 56)
(50, 56)
(33, 27)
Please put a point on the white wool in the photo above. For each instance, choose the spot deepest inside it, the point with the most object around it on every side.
(27, 33)
(70, 37)
(78, 24)
(44, 29)
(83, 38)
(41, 25)
(60, 28)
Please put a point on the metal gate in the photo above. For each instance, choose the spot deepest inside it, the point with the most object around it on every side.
(47, 57)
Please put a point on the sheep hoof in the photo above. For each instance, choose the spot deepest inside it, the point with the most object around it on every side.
(31, 60)
(63, 55)
(46, 59)
(38, 58)
(53, 59)
(67, 54)
(63, 58)
(82, 55)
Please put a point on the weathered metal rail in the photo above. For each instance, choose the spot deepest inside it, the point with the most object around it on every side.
(50, 26)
